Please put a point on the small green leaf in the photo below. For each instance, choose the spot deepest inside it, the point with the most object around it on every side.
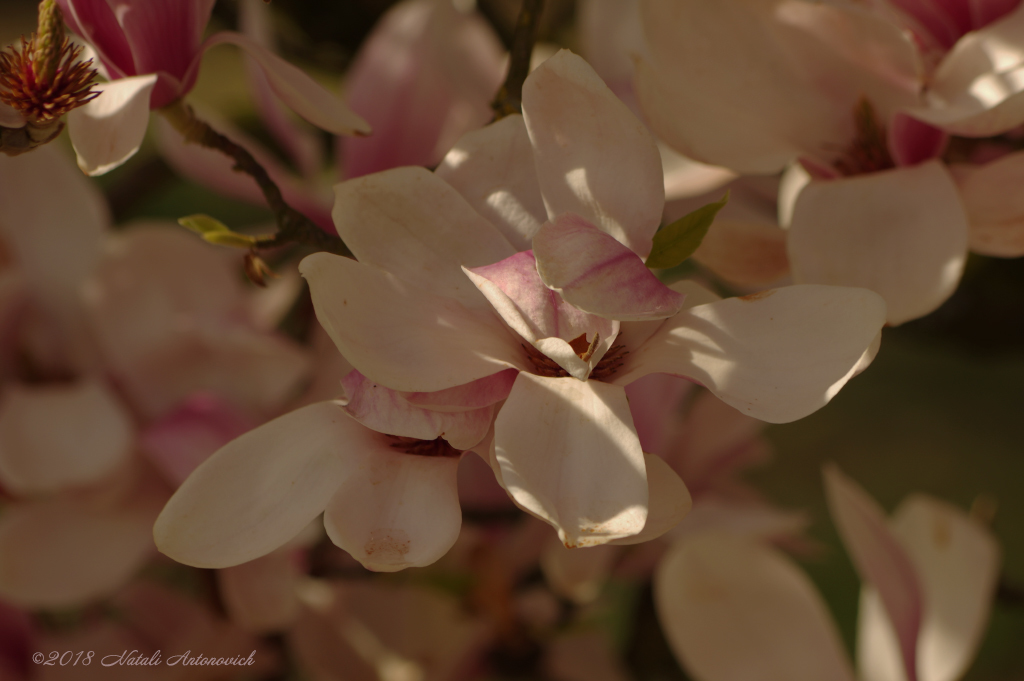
(230, 239)
(676, 242)
(203, 224)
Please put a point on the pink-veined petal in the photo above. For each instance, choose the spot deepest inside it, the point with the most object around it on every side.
(668, 501)
(493, 169)
(260, 595)
(995, 209)
(258, 491)
(732, 608)
(880, 559)
(901, 233)
(958, 563)
(93, 436)
(108, 131)
(97, 23)
(594, 158)
(386, 411)
(300, 92)
(400, 510)
(401, 336)
(597, 274)
(912, 142)
(569, 454)
(777, 355)
(409, 222)
(477, 394)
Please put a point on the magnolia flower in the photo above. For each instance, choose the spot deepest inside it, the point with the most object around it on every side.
(151, 51)
(735, 609)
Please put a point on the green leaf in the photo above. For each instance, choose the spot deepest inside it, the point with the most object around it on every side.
(677, 241)
(203, 224)
(230, 239)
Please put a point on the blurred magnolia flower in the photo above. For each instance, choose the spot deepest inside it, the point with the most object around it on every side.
(733, 609)
(151, 51)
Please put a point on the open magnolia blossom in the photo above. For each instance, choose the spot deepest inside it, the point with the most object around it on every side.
(150, 50)
(734, 609)
(881, 212)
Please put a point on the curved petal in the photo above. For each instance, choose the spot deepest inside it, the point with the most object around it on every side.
(668, 501)
(411, 223)
(978, 89)
(259, 491)
(732, 608)
(493, 169)
(656, 403)
(594, 158)
(595, 273)
(400, 510)
(108, 131)
(745, 252)
(94, 436)
(911, 142)
(59, 554)
(401, 336)
(300, 92)
(569, 455)
(995, 209)
(777, 355)
(578, 574)
(901, 233)
(477, 394)
(685, 178)
(386, 411)
(97, 23)
(880, 559)
(958, 563)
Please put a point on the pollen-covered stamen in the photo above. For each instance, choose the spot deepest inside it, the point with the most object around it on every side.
(609, 364)
(869, 151)
(40, 99)
(411, 445)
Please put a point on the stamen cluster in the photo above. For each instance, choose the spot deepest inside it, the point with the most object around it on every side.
(25, 86)
(436, 447)
(869, 151)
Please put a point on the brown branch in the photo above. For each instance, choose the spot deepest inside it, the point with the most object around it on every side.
(293, 226)
(509, 99)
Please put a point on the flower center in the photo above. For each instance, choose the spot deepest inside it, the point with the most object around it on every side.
(609, 364)
(869, 151)
(41, 97)
(437, 447)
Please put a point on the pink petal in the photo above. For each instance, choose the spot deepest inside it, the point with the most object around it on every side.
(95, 437)
(745, 250)
(594, 158)
(880, 560)
(108, 131)
(901, 233)
(778, 355)
(912, 142)
(386, 411)
(597, 274)
(95, 21)
(732, 608)
(424, 76)
(258, 491)
(400, 510)
(995, 210)
(569, 455)
(300, 92)
(493, 169)
(478, 488)
(685, 177)
(370, 316)
(409, 222)
(477, 394)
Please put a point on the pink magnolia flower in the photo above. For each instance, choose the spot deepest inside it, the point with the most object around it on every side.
(151, 52)
(731, 608)
(842, 88)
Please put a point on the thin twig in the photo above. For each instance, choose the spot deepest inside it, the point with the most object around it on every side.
(293, 226)
(510, 97)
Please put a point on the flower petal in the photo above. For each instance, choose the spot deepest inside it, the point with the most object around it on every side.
(569, 455)
(400, 510)
(995, 209)
(108, 131)
(578, 574)
(386, 411)
(594, 158)
(477, 394)
(911, 141)
(300, 92)
(493, 169)
(94, 438)
(97, 23)
(880, 559)
(260, 595)
(958, 563)
(403, 337)
(901, 233)
(732, 608)
(777, 355)
(595, 273)
(10, 118)
(409, 222)
(656, 403)
(668, 501)
(259, 491)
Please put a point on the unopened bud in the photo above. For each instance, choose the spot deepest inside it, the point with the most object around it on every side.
(257, 270)
(49, 41)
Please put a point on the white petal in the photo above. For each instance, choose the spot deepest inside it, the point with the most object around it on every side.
(777, 355)
(260, 490)
(92, 438)
(901, 233)
(732, 609)
(668, 501)
(400, 510)
(594, 157)
(995, 210)
(578, 574)
(108, 131)
(569, 454)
